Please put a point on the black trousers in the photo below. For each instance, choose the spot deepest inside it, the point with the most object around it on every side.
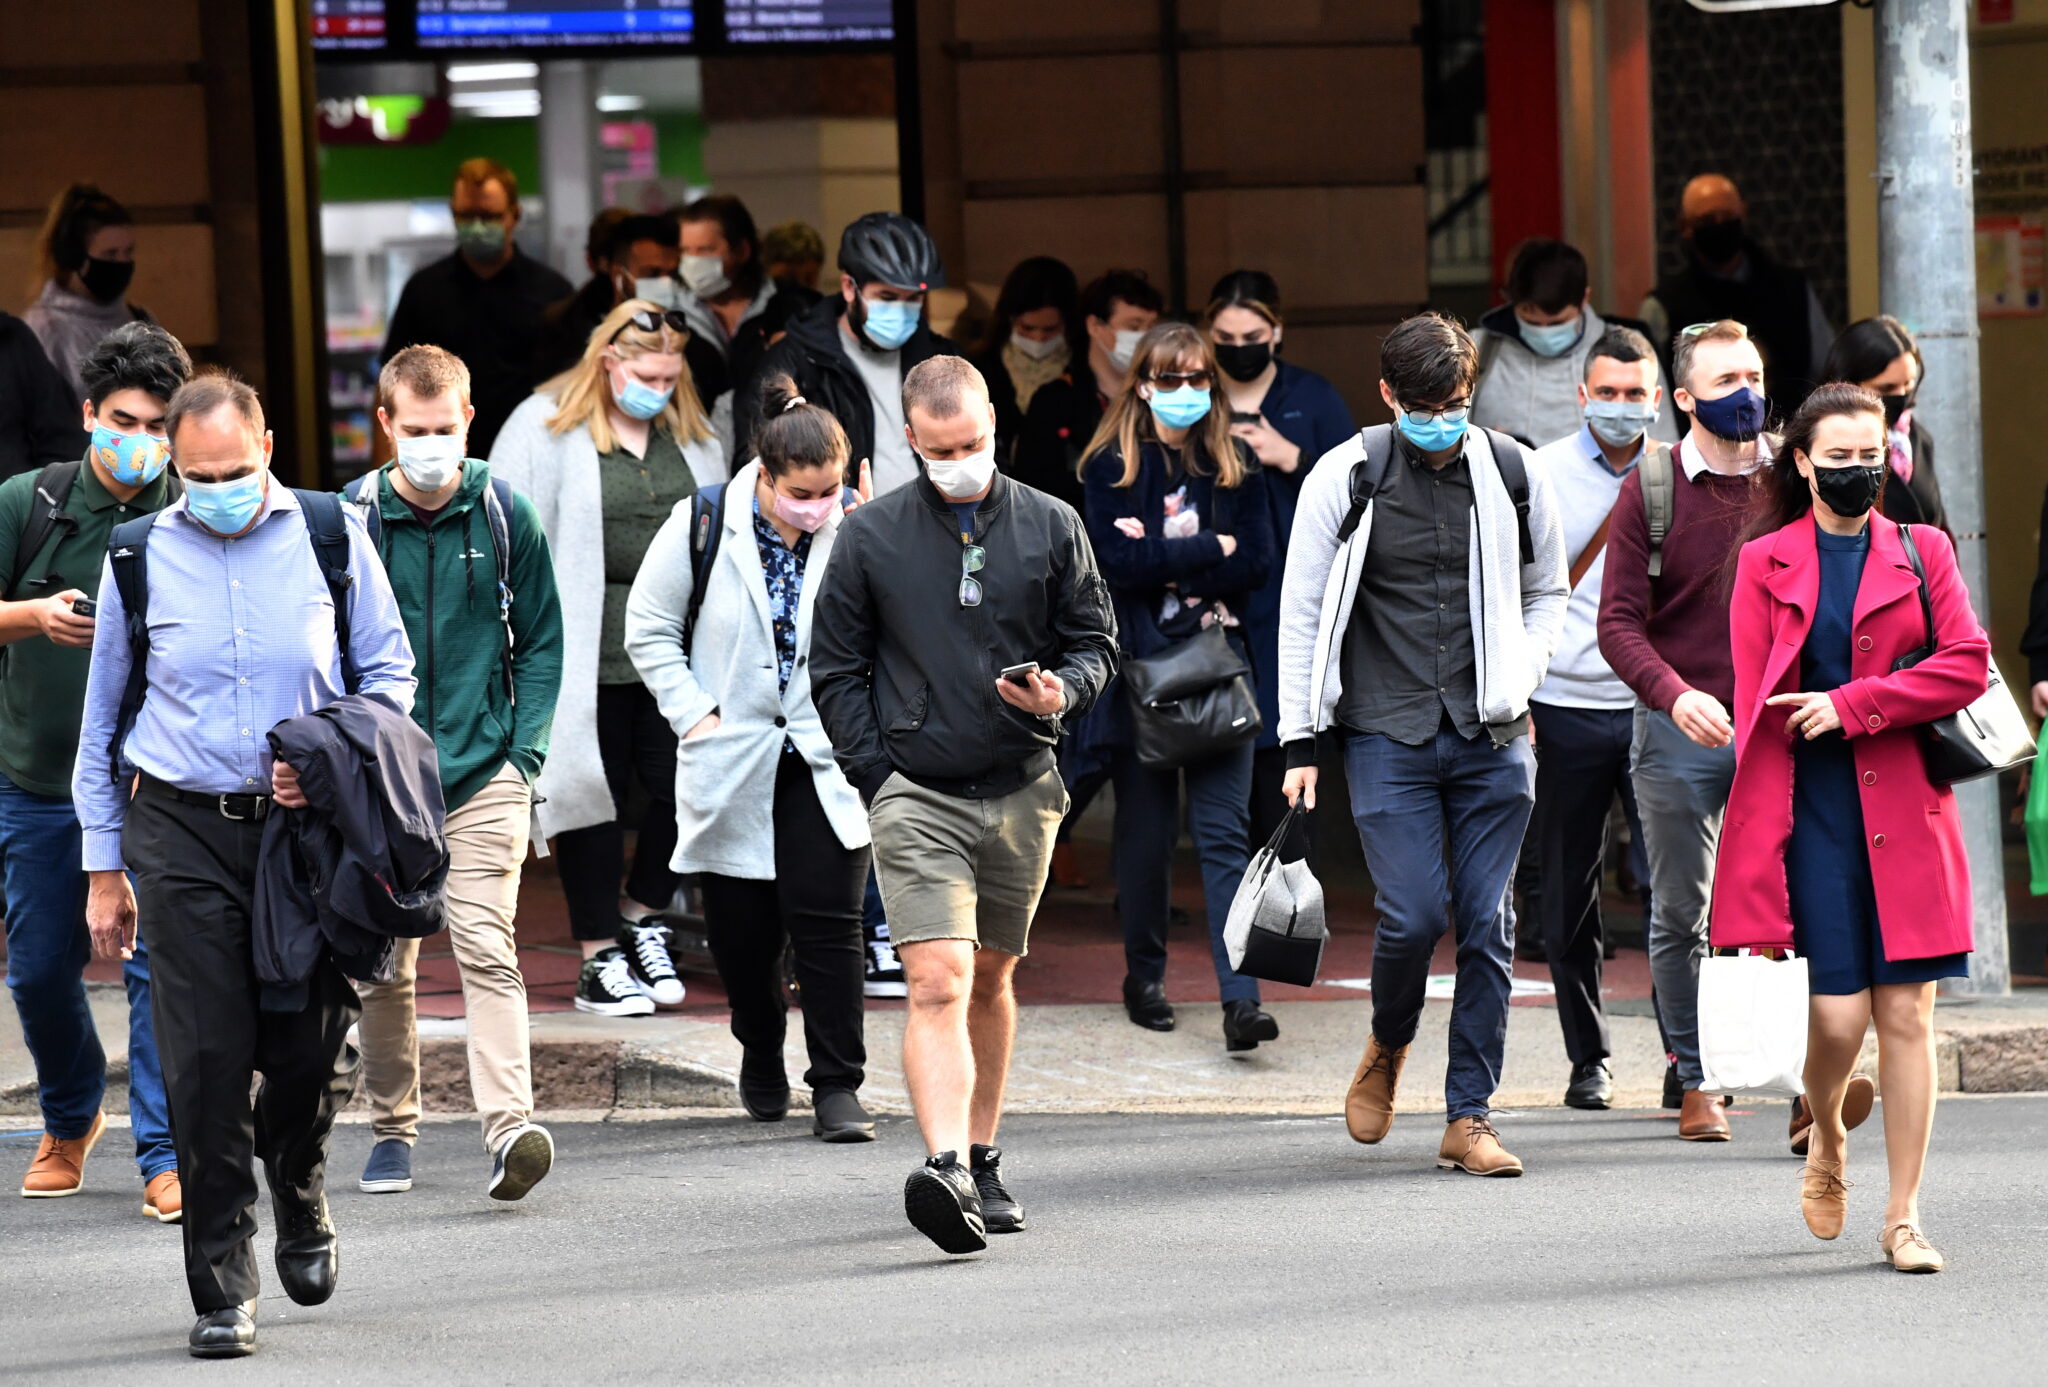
(1582, 759)
(195, 875)
(635, 742)
(814, 904)
(1269, 805)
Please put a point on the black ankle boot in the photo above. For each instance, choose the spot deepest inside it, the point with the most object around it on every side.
(1145, 1003)
(1244, 1026)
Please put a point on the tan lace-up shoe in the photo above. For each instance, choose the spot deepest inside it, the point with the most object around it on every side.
(1823, 1197)
(163, 1198)
(59, 1166)
(1908, 1249)
(1369, 1103)
(1473, 1146)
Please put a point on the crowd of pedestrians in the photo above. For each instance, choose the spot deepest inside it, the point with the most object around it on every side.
(844, 623)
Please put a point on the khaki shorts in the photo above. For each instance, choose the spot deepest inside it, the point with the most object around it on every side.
(964, 868)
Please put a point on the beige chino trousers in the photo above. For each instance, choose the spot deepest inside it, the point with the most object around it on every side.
(487, 839)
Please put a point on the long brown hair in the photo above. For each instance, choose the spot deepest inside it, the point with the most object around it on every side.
(1127, 424)
(1782, 495)
(583, 393)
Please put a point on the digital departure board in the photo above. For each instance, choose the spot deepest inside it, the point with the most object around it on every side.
(349, 26)
(809, 21)
(503, 24)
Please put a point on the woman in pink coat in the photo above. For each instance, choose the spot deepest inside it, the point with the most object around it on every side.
(1836, 842)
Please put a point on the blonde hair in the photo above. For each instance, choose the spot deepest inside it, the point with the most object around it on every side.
(583, 393)
(1127, 424)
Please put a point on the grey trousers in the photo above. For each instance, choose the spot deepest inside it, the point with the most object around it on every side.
(1681, 793)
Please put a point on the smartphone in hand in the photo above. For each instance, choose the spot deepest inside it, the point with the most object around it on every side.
(1020, 675)
(84, 606)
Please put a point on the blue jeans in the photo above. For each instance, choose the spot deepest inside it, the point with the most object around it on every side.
(1148, 826)
(47, 949)
(1442, 824)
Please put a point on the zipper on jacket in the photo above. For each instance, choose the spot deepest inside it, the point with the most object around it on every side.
(433, 728)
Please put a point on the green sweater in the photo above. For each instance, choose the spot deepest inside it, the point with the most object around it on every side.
(446, 577)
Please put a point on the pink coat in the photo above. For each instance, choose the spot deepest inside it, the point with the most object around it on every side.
(1915, 841)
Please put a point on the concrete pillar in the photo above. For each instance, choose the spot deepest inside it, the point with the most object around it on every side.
(825, 170)
(568, 160)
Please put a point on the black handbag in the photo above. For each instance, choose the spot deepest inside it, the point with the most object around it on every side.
(1988, 736)
(1191, 701)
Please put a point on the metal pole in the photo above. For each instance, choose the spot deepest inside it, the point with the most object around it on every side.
(1928, 278)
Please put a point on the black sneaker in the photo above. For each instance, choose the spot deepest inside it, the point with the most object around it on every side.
(943, 1204)
(606, 986)
(1000, 1213)
(764, 1086)
(837, 1116)
(645, 944)
(1674, 1091)
(522, 1160)
(885, 970)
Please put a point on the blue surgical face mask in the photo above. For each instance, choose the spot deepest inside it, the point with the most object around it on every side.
(226, 508)
(1180, 409)
(1436, 432)
(132, 459)
(1550, 339)
(1737, 416)
(889, 324)
(1619, 422)
(637, 398)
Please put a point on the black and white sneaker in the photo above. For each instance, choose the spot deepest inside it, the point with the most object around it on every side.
(944, 1205)
(522, 1160)
(606, 987)
(885, 970)
(645, 943)
(1000, 1212)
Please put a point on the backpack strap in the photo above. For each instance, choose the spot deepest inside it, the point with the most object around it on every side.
(1658, 485)
(327, 528)
(707, 529)
(46, 513)
(1514, 471)
(1368, 474)
(498, 516)
(127, 555)
(362, 493)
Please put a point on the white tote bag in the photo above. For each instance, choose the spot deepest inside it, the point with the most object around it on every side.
(1753, 1024)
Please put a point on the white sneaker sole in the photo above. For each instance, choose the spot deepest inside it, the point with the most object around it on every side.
(625, 1006)
(150, 1211)
(885, 989)
(384, 1186)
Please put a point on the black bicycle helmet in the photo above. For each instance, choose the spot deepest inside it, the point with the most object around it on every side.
(891, 248)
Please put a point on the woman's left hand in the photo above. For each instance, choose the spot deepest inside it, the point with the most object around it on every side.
(1130, 527)
(1268, 446)
(865, 491)
(1813, 713)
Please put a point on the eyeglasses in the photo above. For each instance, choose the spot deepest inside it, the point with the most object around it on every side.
(1173, 380)
(1450, 414)
(972, 557)
(647, 320)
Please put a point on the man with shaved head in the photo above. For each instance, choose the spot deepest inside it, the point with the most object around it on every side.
(1729, 276)
(961, 621)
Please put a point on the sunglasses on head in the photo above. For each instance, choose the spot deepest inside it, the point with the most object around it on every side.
(647, 320)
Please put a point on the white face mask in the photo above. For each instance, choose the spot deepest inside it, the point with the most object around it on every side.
(705, 275)
(1126, 348)
(431, 462)
(662, 291)
(1035, 349)
(961, 478)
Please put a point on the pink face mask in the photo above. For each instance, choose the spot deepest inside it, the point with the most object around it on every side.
(808, 516)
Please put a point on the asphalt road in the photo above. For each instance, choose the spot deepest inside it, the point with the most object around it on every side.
(1181, 1249)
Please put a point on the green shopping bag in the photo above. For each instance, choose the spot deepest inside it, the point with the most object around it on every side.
(2037, 820)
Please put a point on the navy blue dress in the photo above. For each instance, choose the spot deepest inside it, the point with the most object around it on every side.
(1827, 866)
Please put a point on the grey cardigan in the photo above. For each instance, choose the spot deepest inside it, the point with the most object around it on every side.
(725, 778)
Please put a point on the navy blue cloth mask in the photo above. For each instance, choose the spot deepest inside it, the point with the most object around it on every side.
(1737, 416)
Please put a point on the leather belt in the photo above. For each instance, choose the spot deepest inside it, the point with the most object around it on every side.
(242, 808)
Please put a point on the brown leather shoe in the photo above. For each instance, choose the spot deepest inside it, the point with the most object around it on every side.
(1699, 1117)
(1473, 1146)
(163, 1198)
(1857, 1100)
(1369, 1103)
(1823, 1197)
(59, 1166)
(1908, 1249)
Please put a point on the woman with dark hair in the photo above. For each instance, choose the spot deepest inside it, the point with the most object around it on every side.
(1838, 844)
(1178, 512)
(85, 258)
(1032, 339)
(1880, 355)
(763, 814)
(1288, 416)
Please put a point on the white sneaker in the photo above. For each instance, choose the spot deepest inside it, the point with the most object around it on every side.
(646, 947)
(606, 986)
(885, 969)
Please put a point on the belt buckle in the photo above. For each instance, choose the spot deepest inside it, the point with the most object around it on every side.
(238, 818)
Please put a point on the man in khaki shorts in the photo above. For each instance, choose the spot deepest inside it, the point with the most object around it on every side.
(934, 594)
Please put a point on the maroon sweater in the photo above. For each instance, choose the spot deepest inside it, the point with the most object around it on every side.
(1670, 634)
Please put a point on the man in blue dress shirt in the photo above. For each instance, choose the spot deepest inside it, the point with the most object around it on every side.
(241, 637)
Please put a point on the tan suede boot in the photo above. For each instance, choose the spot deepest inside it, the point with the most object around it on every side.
(1472, 1145)
(1369, 1103)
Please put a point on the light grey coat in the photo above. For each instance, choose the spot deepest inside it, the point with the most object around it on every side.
(558, 473)
(1517, 610)
(725, 778)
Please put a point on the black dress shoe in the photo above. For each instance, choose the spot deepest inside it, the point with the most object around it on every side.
(1674, 1091)
(1592, 1086)
(229, 1333)
(837, 1116)
(1244, 1026)
(1000, 1211)
(764, 1088)
(308, 1254)
(1145, 1003)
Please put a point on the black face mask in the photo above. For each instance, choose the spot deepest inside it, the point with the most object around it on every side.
(106, 280)
(1894, 406)
(1848, 491)
(1245, 361)
(1718, 242)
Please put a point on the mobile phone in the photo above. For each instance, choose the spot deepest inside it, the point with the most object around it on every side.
(84, 606)
(1239, 416)
(1020, 674)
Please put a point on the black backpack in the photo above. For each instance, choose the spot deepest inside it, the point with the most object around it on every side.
(1370, 472)
(707, 528)
(128, 550)
(47, 515)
